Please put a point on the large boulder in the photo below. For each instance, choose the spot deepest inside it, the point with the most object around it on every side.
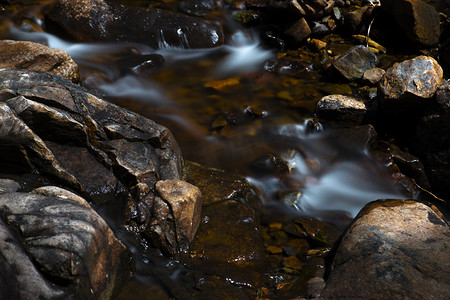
(418, 20)
(37, 57)
(99, 20)
(409, 85)
(59, 246)
(393, 250)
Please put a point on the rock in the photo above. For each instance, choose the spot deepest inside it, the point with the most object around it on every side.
(345, 110)
(358, 19)
(391, 251)
(98, 20)
(409, 85)
(185, 201)
(37, 57)
(353, 63)
(419, 20)
(298, 32)
(9, 186)
(19, 277)
(69, 243)
(373, 76)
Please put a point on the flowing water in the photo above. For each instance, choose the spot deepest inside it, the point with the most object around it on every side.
(227, 112)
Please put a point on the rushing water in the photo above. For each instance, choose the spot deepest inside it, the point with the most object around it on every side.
(342, 177)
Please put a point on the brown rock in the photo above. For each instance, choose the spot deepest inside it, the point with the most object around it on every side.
(393, 249)
(186, 203)
(419, 20)
(68, 242)
(407, 85)
(344, 109)
(373, 76)
(37, 57)
(353, 63)
(298, 31)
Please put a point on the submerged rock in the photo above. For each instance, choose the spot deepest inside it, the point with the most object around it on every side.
(393, 249)
(37, 57)
(408, 85)
(98, 20)
(67, 241)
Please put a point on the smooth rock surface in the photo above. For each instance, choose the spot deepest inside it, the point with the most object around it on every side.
(395, 249)
(353, 63)
(99, 20)
(37, 57)
(418, 19)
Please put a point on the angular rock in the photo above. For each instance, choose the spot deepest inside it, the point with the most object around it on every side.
(344, 109)
(186, 205)
(419, 20)
(9, 186)
(353, 63)
(98, 20)
(393, 249)
(68, 242)
(298, 31)
(409, 84)
(37, 57)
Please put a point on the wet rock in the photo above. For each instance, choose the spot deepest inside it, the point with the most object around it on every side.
(419, 20)
(299, 31)
(200, 8)
(408, 85)
(358, 19)
(345, 109)
(67, 241)
(373, 76)
(37, 57)
(186, 204)
(353, 63)
(98, 20)
(391, 251)
(288, 66)
(228, 243)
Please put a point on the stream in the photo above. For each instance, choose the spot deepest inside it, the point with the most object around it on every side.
(227, 112)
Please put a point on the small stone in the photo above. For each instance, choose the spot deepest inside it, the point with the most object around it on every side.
(292, 262)
(373, 76)
(344, 109)
(274, 249)
(299, 31)
(223, 85)
(317, 45)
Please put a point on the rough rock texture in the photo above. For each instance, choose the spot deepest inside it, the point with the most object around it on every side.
(373, 76)
(186, 204)
(344, 109)
(298, 31)
(353, 63)
(67, 241)
(395, 249)
(37, 57)
(98, 20)
(419, 20)
(408, 85)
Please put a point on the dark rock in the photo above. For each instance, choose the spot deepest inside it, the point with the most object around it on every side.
(357, 20)
(409, 85)
(345, 110)
(98, 20)
(419, 20)
(67, 241)
(37, 57)
(393, 249)
(288, 66)
(299, 31)
(319, 29)
(353, 63)
(373, 76)
(200, 8)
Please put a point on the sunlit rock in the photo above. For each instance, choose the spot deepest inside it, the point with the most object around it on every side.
(408, 86)
(345, 109)
(353, 63)
(418, 20)
(68, 242)
(37, 57)
(373, 76)
(99, 20)
(393, 249)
